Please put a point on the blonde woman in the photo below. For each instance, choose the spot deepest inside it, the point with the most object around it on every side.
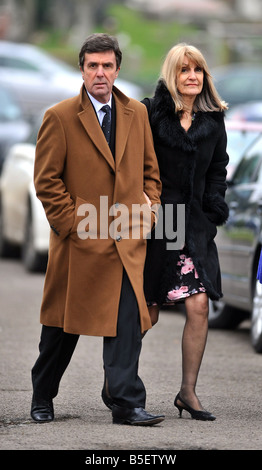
(187, 120)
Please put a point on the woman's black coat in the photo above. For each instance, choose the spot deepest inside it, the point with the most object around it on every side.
(193, 172)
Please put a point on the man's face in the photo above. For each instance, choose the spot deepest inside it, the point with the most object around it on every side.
(99, 73)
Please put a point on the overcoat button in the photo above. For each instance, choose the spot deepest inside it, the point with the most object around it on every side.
(118, 238)
(117, 205)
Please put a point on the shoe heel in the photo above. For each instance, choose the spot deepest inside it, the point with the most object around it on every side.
(180, 408)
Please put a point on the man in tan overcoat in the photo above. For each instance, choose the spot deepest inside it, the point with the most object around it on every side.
(92, 191)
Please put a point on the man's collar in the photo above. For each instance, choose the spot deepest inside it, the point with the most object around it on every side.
(97, 104)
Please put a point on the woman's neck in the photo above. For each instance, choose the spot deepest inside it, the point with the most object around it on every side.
(187, 114)
(188, 104)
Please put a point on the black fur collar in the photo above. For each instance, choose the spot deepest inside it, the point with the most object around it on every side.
(166, 124)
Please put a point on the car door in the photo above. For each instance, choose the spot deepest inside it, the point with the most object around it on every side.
(238, 239)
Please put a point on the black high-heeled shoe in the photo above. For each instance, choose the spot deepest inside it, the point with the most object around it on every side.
(195, 414)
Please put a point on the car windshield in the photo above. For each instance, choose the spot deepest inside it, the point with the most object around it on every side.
(238, 141)
(9, 110)
(247, 170)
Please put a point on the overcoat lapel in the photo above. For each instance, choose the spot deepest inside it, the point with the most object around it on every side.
(93, 128)
(124, 118)
(95, 133)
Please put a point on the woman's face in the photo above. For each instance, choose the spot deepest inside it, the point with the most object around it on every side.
(190, 78)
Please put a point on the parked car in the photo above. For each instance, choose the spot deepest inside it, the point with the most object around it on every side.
(238, 83)
(24, 229)
(239, 243)
(13, 127)
(240, 135)
(250, 111)
(38, 80)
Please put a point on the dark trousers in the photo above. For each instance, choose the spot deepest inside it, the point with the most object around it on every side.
(120, 355)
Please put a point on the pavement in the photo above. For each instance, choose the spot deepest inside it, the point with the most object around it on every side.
(229, 386)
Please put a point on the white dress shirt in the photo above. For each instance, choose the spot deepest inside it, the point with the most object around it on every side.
(97, 105)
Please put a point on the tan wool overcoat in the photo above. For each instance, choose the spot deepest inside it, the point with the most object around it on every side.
(82, 189)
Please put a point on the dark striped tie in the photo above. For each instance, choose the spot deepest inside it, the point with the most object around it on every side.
(106, 124)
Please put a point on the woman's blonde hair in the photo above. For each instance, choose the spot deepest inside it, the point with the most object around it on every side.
(208, 99)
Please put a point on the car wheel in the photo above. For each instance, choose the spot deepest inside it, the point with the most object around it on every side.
(224, 316)
(256, 319)
(33, 260)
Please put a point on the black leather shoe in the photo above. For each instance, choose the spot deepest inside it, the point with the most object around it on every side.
(134, 416)
(42, 411)
(107, 399)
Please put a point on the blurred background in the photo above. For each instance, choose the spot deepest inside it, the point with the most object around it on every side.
(227, 31)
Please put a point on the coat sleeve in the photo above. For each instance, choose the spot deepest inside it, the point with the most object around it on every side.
(214, 203)
(49, 166)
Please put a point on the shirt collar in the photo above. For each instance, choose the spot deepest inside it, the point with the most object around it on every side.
(97, 105)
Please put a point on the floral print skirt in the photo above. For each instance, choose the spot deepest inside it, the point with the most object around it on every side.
(186, 282)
